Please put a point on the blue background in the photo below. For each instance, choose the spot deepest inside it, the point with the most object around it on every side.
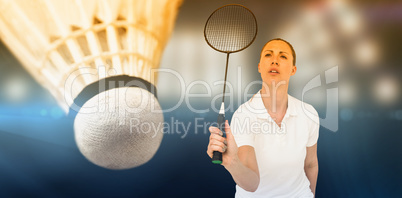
(39, 157)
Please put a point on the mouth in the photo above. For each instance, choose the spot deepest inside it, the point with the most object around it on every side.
(273, 71)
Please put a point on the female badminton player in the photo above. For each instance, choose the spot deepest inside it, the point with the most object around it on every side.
(270, 147)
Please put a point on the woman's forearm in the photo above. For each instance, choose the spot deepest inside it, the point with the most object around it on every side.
(312, 174)
(243, 176)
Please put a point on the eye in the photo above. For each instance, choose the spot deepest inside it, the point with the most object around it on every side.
(267, 55)
(284, 57)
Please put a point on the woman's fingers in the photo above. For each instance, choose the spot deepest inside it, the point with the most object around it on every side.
(215, 130)
(216, 143)
(215, 147)
(217, 137)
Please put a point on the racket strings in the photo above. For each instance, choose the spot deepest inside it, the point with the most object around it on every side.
(231, 29)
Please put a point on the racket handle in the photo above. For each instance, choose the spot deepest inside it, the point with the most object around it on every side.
(217, 156)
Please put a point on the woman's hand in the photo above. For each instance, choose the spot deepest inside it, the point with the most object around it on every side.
(227, 146)
(240, 162)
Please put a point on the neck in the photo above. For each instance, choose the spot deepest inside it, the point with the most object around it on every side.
(275, 96)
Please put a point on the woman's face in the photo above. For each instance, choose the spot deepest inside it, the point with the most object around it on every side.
(276, 63)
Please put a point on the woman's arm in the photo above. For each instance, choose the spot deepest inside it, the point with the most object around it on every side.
(244, 169)
(311, 166)
(240, 162)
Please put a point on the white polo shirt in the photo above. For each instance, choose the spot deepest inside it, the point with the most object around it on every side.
(280, 151)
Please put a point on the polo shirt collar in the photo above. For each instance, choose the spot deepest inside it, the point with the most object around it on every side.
(257, 105)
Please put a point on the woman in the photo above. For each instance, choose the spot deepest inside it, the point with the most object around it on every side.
(271, 147)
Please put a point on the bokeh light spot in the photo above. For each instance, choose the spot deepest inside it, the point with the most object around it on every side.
(366, 53)
(43, 112)
(56, 113)
(16, 89)
(386, 90)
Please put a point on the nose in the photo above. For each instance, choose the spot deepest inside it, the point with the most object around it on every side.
(275, 61)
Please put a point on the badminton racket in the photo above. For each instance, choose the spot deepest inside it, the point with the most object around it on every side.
(229, 29)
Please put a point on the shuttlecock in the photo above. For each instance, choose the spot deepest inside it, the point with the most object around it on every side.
(97, 59)
(132, 137)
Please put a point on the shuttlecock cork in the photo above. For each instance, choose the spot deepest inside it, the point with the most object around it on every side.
(98, 59)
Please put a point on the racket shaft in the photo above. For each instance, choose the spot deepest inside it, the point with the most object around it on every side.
(217, 156)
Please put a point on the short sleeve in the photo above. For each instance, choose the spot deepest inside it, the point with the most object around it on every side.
(313, 129)
(240, 129)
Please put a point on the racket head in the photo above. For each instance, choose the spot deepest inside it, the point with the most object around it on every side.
(231, 28)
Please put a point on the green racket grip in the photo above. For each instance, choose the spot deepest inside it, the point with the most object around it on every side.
(217, 156)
